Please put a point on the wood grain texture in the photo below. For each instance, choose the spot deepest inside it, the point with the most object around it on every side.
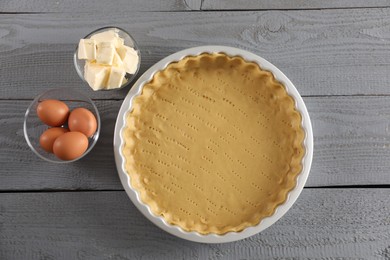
(95, 6)
(329, 52)
(352, 147)
(323, 224)
(288, 4)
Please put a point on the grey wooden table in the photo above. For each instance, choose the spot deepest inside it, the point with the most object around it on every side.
(336, 52)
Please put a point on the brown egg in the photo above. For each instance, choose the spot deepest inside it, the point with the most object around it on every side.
(49, 136)
(82, 120)
(70, 145)
(53, 112)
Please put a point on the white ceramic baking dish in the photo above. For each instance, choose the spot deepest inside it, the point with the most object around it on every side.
(158, 220)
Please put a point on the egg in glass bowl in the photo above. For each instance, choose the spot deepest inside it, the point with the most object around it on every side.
(61, 125)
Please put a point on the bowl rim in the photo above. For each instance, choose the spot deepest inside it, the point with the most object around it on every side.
(29, 110)
(136, 48)
(176, 230)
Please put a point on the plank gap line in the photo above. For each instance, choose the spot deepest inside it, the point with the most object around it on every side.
(58, 191)
(370, 186)
(304, 96)
(293, 9)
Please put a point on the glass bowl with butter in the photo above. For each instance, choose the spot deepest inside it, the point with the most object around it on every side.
(107, 59)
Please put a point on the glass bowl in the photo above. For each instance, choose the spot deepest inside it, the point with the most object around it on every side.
(128, 41)
(33, 127)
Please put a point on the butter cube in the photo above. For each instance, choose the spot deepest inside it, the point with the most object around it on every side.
(119, 42)
(108, 36)
(87, 49)
(105, 36)
(123, 49)
(129, 58)
(105, 53)
(96, 75)
(117, 61)
(115, 80)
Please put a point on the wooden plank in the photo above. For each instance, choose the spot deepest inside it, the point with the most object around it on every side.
(352, 147)
(323, 224)
(100, 6)
(331, 52)
(96, 6)
(288, 4)
(352, 140)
